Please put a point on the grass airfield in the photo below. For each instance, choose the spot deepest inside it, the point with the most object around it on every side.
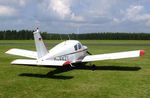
(125, 78)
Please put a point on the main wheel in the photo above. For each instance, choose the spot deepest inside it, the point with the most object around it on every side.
(93, 67)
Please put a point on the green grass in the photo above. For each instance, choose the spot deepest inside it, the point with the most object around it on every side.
(107, 82)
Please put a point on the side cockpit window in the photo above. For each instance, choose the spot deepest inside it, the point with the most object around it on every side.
(77, 46)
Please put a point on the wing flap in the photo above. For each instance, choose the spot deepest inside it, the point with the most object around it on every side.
(40, 63)
(117, 55)
(22, 52)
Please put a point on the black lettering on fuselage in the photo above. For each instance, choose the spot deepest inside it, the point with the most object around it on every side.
(61, 58)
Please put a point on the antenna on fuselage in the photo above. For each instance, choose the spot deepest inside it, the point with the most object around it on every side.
(68, 36)
(78, 32)
(60, 37)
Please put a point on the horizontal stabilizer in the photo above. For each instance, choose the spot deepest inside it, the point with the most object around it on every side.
(40, 63)
(22, 52)
(117, 55)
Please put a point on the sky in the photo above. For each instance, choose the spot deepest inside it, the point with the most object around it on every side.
(76, 16)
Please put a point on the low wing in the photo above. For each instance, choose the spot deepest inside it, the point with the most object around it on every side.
(40, 63)
(22, 52)
(117, 55)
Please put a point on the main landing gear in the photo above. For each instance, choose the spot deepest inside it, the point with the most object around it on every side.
(93, 66)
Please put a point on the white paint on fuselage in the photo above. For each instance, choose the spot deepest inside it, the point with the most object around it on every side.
(65, 51)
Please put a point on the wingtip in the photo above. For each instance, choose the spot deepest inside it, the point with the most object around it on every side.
(10, 50)
(7, 52)
(13, 62)
(142, 52)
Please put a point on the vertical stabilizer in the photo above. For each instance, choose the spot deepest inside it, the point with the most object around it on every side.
(40, 46)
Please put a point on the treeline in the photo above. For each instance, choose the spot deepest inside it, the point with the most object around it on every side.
(28, 35)
(16, 35)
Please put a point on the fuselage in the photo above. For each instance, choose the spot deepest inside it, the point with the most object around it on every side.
(69, 50)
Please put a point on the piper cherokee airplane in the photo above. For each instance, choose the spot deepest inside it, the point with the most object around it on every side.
(64, 54)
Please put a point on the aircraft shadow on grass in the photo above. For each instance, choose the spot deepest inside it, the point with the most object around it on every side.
(53, 74)
(109, 68)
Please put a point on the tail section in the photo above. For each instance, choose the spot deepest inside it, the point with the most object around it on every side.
(40, 46)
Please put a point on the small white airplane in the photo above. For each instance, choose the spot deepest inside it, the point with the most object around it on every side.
(66, 53)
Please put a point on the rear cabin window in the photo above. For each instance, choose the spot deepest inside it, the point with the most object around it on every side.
(79, 46)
